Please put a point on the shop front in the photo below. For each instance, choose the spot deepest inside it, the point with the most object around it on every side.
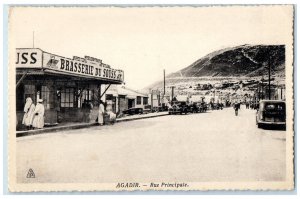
(70, 88)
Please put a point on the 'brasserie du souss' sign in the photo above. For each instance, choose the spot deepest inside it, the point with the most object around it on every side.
(88, 66)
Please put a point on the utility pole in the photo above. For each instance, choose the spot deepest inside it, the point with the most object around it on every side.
(172, 93)
(269, 77)
(164, 82)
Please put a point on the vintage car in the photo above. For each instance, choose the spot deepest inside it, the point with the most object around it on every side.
(179, 107)
(271, 113)
(133, 111)
(197, 107)
(194, 107)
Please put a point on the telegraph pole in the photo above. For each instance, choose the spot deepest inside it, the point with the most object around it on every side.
(172, 93)
(164, 82)
(269, 77)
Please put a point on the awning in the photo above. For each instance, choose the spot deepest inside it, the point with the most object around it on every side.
(30, 71)
(130, 93)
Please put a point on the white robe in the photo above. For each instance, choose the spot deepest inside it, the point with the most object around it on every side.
(29, 113)
(38, 119)
(101, 114)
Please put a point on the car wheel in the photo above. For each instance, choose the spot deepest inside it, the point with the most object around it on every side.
(259, 126)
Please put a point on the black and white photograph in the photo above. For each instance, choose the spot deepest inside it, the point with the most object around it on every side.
(139, 98)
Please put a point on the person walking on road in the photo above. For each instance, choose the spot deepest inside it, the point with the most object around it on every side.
(28, 116)
(236, 108)
(38, 120)
(101, 113)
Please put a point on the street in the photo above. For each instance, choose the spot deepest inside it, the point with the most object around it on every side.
(214, 146)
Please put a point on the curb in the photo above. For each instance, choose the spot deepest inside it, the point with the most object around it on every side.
(75, 126)
(139, 118)
(53, 129)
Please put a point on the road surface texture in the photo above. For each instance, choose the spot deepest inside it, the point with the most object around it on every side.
(214, 146)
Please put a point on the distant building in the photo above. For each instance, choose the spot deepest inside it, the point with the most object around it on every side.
(120, 98)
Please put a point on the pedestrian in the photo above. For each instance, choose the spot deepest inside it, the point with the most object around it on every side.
(38, 119)
(28, 116)
(236, 108)
(101, 113)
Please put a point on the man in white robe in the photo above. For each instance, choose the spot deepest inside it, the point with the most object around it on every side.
(101, 113)
(38, 120)
(28, 110)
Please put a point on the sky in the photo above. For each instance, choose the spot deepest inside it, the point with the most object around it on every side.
(143, 41)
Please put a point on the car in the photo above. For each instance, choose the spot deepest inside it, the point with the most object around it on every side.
(133, 111)
(194, 107)
(179, 107)
(271, 113)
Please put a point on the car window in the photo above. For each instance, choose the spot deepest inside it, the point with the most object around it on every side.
(270, 106)
(275, 106)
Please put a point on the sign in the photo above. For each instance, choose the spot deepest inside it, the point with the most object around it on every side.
(28, 57)
(88, 66)
(80, 66)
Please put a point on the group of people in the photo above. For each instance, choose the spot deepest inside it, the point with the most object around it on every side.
(33, 114)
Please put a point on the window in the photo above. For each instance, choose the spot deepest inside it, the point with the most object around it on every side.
(87, 95)
(145, 100)
(46, 96)
(138, 100)
(67, 98)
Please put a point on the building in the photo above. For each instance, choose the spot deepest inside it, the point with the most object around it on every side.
(64, 84)
(119, 98)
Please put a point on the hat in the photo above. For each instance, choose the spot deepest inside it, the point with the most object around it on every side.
(40, 100)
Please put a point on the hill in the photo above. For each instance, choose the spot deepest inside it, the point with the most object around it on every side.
(240, 61)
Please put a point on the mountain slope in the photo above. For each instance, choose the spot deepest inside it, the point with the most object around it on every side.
(246, 60)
